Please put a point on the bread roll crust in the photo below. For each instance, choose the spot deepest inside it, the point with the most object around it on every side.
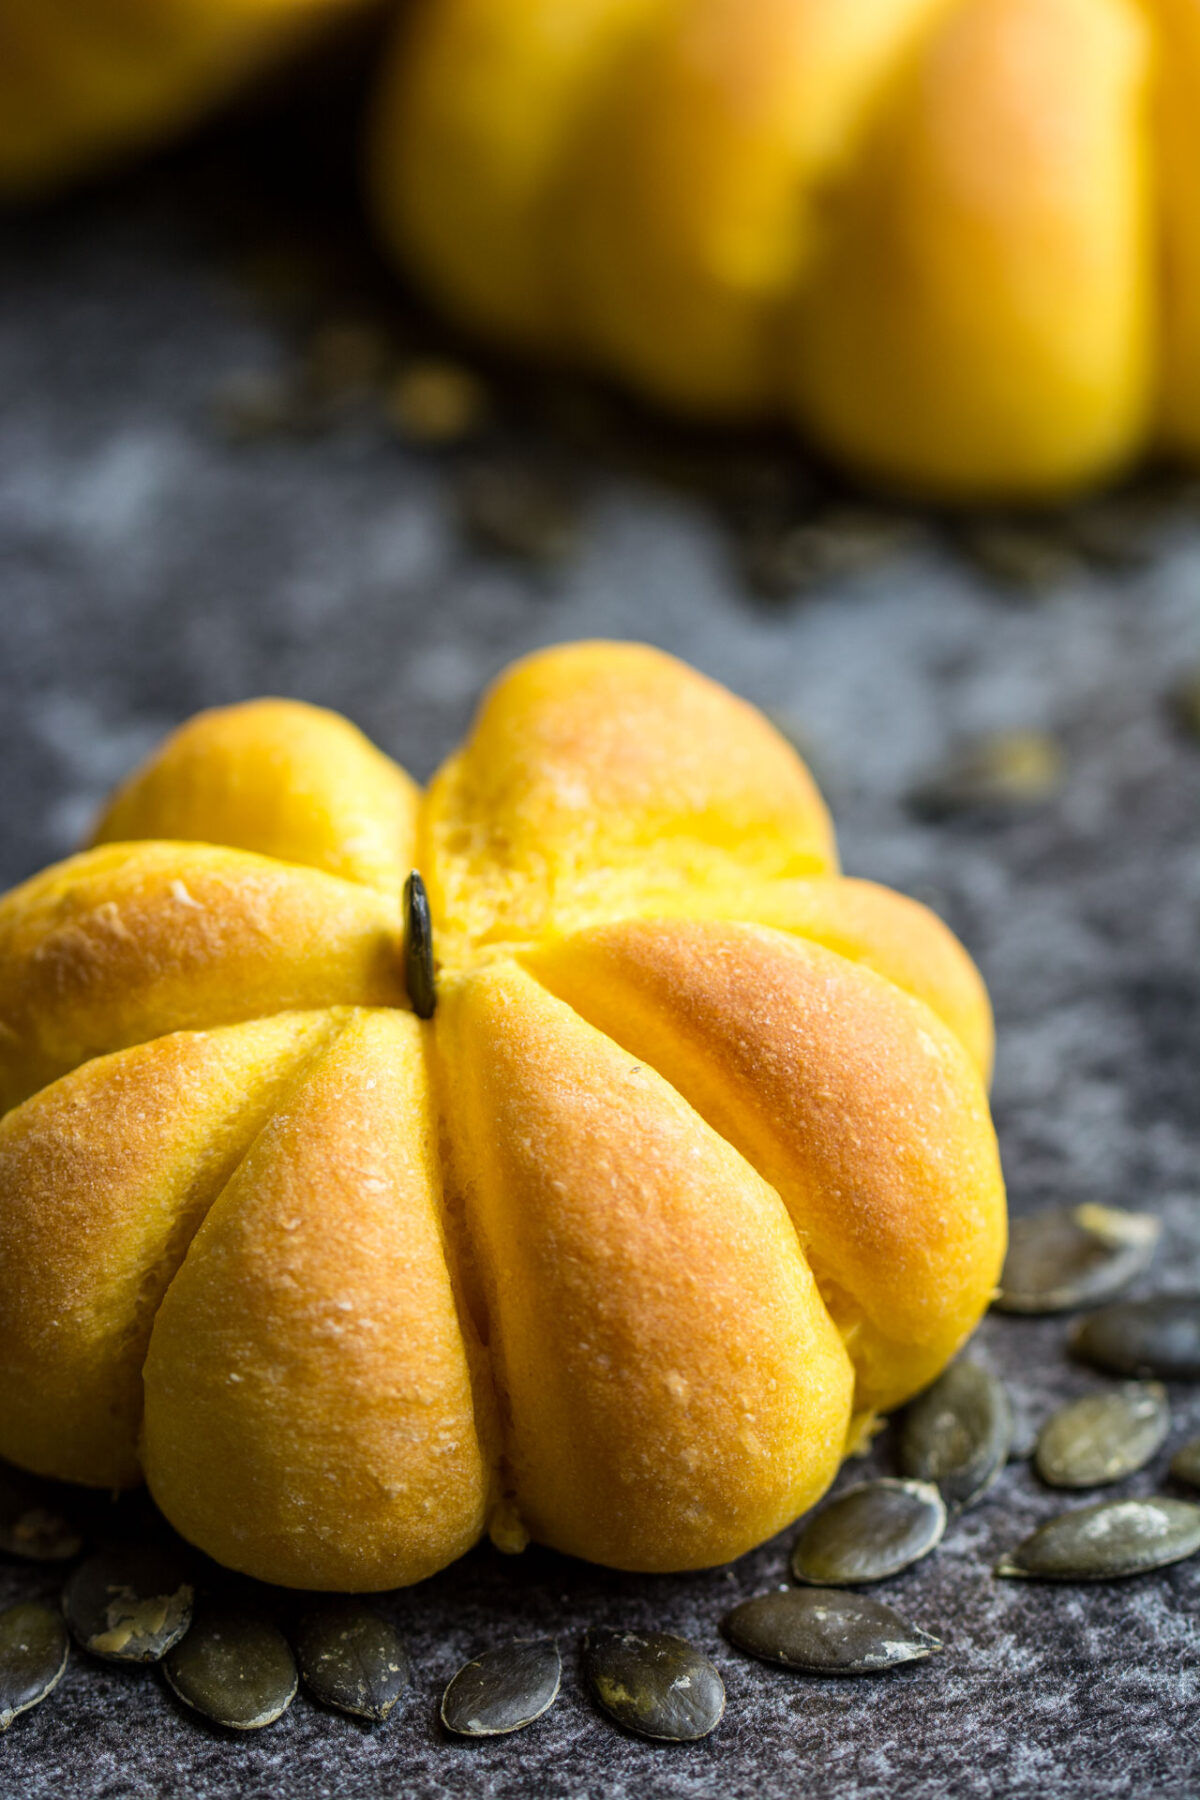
(690, 1172)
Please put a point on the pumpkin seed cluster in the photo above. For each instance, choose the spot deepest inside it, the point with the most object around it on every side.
(229, 1660)
(795, 526)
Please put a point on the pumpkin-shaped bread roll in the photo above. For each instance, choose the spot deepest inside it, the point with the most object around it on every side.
(956, 241)
(688, 1175)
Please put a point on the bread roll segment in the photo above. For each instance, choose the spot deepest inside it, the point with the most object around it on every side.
(105, 1176)
(896, 937)
(309, 1408)
(982, 322)
(596, 775)
(282, 779)
(695, 198)
(671, 1386)
(125, 942)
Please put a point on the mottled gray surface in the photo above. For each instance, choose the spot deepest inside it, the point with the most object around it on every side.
(147, 567)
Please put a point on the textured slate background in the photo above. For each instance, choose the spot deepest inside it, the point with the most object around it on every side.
(148, 566)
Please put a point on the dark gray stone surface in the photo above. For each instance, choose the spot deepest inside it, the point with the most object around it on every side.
(148, 567)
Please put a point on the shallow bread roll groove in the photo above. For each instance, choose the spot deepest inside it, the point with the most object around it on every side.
(849, 1096)
(671, 1386)
(105, 1176)
(306, 1369)
(125, 942)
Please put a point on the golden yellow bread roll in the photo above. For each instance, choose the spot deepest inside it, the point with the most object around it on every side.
(957, 242)
(688, 1174)
(85, 81)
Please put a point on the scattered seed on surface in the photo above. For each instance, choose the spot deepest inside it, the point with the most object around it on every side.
(786, 558)
(344, 360)
(503, 1689)
(352, 1659)
(1185, 1464)
(1032, 557)
(432, 402)
(128, 1605)
(1155, 1337)
(958, 1433)
(235, 1667)
(33, 1654)
(1074, 1256)
(1113, 1538)
(1004, 773)
(519, 510)
(826, 1632)
(1103, 1437)
(258, 404)
(654, 1683)
(869, 1532)
(31, 1525)
(1118, 531)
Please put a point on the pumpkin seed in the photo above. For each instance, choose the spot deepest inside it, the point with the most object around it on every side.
(1074, 1256)
(1011, 770)
(958, 1433)
(869, 1532)
(519, 509)
(344, 362)
(503, 1690)
(418, 948)
(352, 1659)
(128, 1605)
(1019, 554)
(826, 1633)
(1159, 1336)
(1185, 1464)
(783, 559)
(1118, 531)
(235, 1667)
(33, 1654)
(1113, 1538)
(435, 402)
(343, 365)
(255, 405)
(655, 1683)
(30, 1526)
(1103, 1437)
